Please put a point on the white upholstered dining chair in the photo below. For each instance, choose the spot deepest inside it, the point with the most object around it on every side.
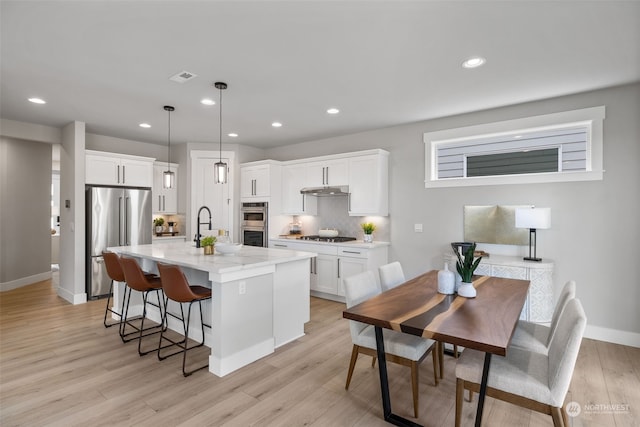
(404, 349)
(528, 378)
(391, 275)
(536, 337)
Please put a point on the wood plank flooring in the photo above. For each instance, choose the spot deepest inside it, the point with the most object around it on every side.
(60, 367)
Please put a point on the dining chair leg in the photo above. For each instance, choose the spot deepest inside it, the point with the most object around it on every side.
(441, 357)
(556, 415)
(565, 420)
(352, 365)
(459, 395)
(436, 355)
(414, 386)
(455, 351)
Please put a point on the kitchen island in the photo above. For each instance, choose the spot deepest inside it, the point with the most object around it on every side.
(260, 297)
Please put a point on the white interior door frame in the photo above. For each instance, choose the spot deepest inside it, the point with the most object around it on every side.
(197, 157)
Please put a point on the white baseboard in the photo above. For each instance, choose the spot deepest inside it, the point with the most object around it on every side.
(71, 297)
(24, 281)
(615, 336)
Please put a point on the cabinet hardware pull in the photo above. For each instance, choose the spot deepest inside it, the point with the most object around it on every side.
(351, 252)
(159, 204)
(280, 246)
(338, 268)
(164, 208)
(123, 178)
(118, 174)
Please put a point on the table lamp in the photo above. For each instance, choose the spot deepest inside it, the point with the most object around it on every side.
(533, 219)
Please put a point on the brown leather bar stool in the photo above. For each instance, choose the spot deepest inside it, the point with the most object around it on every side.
(176, 288)
(137, 281)
(115, 273)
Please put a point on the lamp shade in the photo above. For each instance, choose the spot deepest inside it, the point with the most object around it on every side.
(536, 218)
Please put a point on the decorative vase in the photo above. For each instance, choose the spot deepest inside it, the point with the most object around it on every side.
(467, 290)
(446, 281)
(368, 238)
(158, 229)
(208, 250)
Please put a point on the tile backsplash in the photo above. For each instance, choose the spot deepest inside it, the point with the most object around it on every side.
(333, 213)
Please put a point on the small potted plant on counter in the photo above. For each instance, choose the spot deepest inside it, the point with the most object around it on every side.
(158, 223)
(207, 243)
(368, 228)
(466, 266)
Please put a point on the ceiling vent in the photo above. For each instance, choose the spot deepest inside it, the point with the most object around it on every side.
(182, 77)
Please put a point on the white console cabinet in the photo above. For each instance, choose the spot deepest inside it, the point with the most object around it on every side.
(540, 303)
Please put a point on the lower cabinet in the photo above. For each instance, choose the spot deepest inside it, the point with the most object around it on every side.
(334, 263)
(540, 302)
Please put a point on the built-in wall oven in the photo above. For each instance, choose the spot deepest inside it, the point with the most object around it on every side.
(254, 226)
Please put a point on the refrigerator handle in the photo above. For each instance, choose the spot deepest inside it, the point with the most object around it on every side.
(120, 218)
(126, 220)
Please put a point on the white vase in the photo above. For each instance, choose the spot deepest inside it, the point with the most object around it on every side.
(446, 281)
(368, 238)
(467, 290)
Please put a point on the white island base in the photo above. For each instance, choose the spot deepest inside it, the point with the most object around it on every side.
(260, 298)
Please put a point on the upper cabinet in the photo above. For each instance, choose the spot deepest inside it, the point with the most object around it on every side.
(104, 168)
(366, 173)
(327, 173)
(260, 180)
(293, 202)
(165, 200)
(369, 184)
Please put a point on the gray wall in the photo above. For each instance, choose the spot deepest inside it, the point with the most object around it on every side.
(25, 210)
(595, 225)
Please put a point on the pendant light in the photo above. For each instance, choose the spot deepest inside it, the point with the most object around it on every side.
(220, 168)
(168, 177)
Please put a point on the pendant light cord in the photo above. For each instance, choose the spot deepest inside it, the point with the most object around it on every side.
(169, 147)
(220, 125)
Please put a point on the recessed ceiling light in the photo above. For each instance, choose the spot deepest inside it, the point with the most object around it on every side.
(233, 135)
(208, 101)
(474, 62)
(333, 111)
(276, 124)
(145, 125)
(37, 100)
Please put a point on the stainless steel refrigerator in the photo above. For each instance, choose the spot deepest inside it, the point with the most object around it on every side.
(116, 216)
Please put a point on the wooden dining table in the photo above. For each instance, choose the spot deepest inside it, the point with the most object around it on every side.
(485, 323)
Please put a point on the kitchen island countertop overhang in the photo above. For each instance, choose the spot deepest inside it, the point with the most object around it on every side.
(260, 297)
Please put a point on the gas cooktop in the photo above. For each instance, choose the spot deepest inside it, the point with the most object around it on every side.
(337, 239)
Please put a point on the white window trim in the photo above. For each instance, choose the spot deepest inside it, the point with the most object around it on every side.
(594, 172)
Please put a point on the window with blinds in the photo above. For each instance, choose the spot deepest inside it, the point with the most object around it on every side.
(519, 152)
(564, 146)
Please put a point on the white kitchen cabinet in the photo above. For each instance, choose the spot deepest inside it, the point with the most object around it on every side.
(327, 173)
(335, 262)
(254, 181)
(118, 169)
(293, 203)
(540, 302)
(165, 200)
(369, 185)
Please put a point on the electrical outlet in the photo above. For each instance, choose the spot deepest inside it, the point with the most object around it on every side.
(242, 287)
(417, 228)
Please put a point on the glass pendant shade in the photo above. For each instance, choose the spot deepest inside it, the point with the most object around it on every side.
(220, 172)
(168, 179)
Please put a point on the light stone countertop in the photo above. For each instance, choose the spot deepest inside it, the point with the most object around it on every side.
(350, 244)
(186, 254)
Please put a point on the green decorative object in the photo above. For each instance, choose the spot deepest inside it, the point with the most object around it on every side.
(467, 265)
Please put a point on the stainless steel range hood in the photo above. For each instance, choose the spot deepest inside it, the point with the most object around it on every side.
(342, 190)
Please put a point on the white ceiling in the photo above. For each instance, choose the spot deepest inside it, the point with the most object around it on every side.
(381, 63)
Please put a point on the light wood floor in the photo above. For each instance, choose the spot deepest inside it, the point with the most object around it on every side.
(60, 367)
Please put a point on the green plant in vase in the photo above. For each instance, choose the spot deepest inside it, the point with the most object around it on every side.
(158, 223)
(466, 265)
(207, 243)
(368, 228)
